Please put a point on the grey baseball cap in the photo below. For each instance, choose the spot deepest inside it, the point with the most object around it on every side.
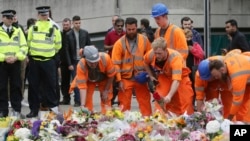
(91, 54)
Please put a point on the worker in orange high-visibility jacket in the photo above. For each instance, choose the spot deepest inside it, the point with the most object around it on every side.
(127, 57)
(234, 68)
(174, 35)
(96, 69)
(211, 88)
(173, 76)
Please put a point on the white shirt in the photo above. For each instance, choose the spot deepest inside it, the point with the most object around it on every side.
(5, 27)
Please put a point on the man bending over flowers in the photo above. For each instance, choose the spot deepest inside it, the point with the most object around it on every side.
(96, 69)
(172, 74)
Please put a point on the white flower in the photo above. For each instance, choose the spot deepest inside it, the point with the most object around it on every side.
(112, 136)
(77, 118)
(22, 133)
(25, 140)
(213, 126)
(158, 137)
(105, 128)
(55, 122)
(132, 116)
(225, 125)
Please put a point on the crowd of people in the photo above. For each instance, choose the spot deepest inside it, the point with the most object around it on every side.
(169, 61)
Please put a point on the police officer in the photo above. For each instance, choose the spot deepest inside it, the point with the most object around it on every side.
(44, 40)
(13, 49)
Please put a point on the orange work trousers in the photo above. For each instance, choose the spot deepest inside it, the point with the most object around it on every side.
(90, 91)
(218, 89)
(182, 101)
(142, 96)
(244, 111)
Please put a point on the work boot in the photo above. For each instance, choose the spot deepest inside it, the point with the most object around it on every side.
(64, 102)
(3, 114)
(77, 104)
(32, 114)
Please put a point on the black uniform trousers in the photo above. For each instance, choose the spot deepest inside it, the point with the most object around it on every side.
(65, 81)
(42, 73)
(11, 73)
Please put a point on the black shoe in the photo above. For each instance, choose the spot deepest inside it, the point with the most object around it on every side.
(77, 104)
(32, 114)
(115, 102)
(64, 102)
(3, 114)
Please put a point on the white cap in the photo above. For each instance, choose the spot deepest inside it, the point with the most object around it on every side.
(91, 54)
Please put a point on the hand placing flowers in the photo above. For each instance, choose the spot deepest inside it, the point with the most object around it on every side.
(159, 100)
(167, 99)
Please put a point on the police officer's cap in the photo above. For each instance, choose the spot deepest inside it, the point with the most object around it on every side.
(43, 10)
(8, 13)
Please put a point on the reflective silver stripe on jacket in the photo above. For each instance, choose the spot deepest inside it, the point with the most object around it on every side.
(42, 49)
(199, 89)
(172, 37)
(244, 72)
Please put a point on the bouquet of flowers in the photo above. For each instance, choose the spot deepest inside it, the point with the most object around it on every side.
(159, 100)
(214, 108)
(196, 121)
(213, 129)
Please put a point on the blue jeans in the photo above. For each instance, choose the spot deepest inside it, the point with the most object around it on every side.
(76, 90)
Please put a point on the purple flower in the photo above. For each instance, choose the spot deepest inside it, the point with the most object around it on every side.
(35, 128)
(64, 130)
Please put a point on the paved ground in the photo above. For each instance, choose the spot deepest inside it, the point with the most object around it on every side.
(25, 109)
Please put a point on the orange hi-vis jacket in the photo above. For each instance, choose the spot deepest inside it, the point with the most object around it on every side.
(238, 70)
(201, 85)
(173, 69)
(208, 90)
(176, 39)
(174, 66)
(105, 65)
(127, 59)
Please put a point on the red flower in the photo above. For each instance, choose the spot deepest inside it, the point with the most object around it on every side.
(156, 96)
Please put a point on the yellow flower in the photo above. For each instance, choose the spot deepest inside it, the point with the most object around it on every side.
(41, 127)
(12, 138)
(118, 114)
(156, 114)
(171, 123)
(109, 113)
(140, 135)
(44, 123)
(97, 116)
(147, 119)
(217, 138)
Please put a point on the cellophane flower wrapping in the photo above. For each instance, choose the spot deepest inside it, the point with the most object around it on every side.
(214, 107)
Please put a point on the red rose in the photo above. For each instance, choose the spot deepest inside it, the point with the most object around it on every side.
(156, 96)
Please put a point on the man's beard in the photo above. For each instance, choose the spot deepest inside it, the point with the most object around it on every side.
(224, 77)
(131, 36)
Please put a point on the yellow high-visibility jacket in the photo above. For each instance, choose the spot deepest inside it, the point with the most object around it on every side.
(44, 40)
(15, 45)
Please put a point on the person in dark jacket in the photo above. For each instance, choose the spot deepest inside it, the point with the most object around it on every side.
(187, 22)
(239, 40)
(145, 28)
(76, 40)
(65, 72)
